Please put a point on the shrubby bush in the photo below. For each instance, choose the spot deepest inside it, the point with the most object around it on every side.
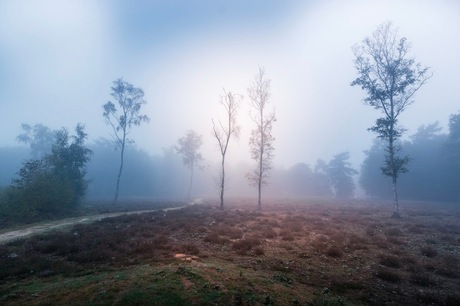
(52, 183)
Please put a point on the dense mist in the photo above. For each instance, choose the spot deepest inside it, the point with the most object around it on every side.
(60, 60)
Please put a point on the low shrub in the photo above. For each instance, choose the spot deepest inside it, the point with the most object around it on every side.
(259, 251)
(189, 248)
(393, 232)
(286, 235)
(334, 252)
(269, 233)
(422, 279)
(229, 231)
(429, 251)
(213, 237)
(390, 261)
(388, 276)
(244, 245)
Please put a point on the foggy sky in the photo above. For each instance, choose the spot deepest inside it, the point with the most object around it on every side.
(58, 60)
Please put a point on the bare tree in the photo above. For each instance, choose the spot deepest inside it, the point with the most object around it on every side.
(129, 101)
(188, 147)
(223, 133)
(390, 79)
(261, 140)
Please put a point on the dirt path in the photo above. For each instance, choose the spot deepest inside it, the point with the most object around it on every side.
(10, 235)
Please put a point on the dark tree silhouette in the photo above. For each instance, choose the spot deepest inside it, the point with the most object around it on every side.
(123, 116)
(341, 175)
(188, 147)
(390, 79)
(224, 131)
(54, 182)
(261, 141)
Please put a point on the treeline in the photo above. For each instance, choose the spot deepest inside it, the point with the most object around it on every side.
(434, 167)
(153, 176)
(58, 170)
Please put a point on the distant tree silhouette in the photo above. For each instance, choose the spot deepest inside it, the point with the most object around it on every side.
(426, 179)
(224, 131)
(341, 175)
(39, 137)
(123, 116)
(390, 78)
(321, 180)
(370, 178)
(188, 147)
(299, 180)
(261, 141)
(452, 155)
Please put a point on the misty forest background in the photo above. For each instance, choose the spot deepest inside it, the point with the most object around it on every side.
(434, 170)
(58, 168)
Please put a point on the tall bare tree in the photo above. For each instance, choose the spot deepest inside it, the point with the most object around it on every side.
(123, 116)
(261, 140)
(224, 131)
(188, 147)
(390, 78)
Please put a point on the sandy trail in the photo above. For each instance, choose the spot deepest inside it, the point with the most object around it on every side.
(10, 235)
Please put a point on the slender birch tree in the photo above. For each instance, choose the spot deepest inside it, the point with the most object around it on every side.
(261, 140)
(390, 78)
(224, 131)
(123, 116)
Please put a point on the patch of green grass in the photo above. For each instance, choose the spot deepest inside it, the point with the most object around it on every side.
(137, 296)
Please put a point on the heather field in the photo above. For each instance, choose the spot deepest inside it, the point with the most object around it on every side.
(302, 252)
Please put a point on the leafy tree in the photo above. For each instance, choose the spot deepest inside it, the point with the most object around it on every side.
(38, 137)
(322, 182)
(188, 147)
(341, 175)
(261, 141)
(55, 181)
(452, 156)
(223, 133)
(68, 160)
(390, 79)
(453, 140)
(123, 116)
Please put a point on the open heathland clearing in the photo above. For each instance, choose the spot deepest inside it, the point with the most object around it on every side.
(303, 252)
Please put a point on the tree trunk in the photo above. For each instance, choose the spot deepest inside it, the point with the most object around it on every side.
(395, 199)
(119, 172)
(191, 182)
(394, 170)
(259, 201)
(222, 184)
(261, 156)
